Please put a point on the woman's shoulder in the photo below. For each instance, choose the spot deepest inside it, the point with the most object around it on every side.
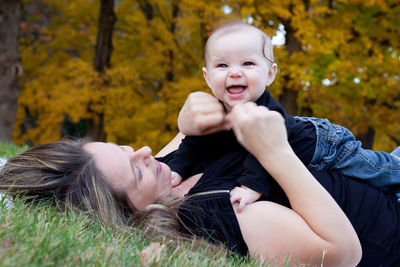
(210, 215)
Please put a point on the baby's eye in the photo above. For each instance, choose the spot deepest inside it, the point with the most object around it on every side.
(248, 63)
(222, 65)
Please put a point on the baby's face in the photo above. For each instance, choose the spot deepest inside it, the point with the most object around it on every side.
(237, 70)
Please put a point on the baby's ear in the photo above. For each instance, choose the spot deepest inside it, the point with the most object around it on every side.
(272, 73)
(205, 75)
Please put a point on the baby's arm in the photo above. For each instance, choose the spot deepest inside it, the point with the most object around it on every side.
(254, 182)
(244, 196)
(191, 151)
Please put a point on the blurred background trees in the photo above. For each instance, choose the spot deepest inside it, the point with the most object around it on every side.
(120, 70)
(10, 65)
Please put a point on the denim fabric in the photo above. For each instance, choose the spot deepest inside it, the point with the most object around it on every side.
(396, 153)
(337, 149)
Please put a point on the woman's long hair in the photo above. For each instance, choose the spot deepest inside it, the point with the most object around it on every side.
(66, 175)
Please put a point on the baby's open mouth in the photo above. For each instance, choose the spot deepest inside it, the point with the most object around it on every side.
(236, 89)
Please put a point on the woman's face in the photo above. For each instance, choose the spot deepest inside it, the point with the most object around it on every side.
(136, 173)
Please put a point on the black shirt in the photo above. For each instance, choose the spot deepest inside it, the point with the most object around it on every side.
(195, 153)
(375, 215)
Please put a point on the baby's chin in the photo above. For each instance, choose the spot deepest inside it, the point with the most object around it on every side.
(231, 103)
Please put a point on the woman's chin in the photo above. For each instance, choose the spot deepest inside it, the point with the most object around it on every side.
(166, 174)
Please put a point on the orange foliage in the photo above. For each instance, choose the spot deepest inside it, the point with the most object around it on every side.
(347, 69)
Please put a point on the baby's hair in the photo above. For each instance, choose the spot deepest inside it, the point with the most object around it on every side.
(236, 27)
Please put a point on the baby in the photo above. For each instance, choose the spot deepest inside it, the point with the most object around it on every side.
(239, 65)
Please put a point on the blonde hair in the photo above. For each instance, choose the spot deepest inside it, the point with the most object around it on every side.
(238, 26)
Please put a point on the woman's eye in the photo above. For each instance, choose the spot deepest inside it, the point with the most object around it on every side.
(138, 173)
(222, 65)
(248, 63)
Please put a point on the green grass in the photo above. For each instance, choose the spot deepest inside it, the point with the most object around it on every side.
(7, 150)
(38, 235)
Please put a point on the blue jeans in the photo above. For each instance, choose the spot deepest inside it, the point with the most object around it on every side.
(337, 149)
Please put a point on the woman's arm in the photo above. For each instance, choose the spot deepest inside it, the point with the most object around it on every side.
(171, 146)
(315, 225)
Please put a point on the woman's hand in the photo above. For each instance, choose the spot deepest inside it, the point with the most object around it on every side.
(315, 224)
(258, 129)
(202, 114)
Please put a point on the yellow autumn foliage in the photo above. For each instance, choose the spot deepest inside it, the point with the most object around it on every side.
(346, 68)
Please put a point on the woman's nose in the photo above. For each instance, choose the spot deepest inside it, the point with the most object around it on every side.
(128, 149)
(143, 153)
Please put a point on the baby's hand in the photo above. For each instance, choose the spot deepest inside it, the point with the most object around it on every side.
(244, 196)
(176, 179)
(202, 114)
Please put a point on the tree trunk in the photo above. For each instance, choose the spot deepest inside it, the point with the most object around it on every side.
(104, 46)
(288, 98)
(367, 138)
(96, 128)
(10, 65)
(147, 10)
(170, 73)
(107, 19)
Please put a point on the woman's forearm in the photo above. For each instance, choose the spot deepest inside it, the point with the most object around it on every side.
(171, 146)
(312, 202)
(263, 133)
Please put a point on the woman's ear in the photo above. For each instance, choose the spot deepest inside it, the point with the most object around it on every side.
(272, 73)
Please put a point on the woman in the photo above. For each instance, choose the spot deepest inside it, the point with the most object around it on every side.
(374, 214)
(114, 183)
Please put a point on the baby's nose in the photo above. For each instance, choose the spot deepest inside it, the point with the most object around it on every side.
(235, 71)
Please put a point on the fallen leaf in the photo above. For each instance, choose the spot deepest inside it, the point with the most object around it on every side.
(151, 254)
